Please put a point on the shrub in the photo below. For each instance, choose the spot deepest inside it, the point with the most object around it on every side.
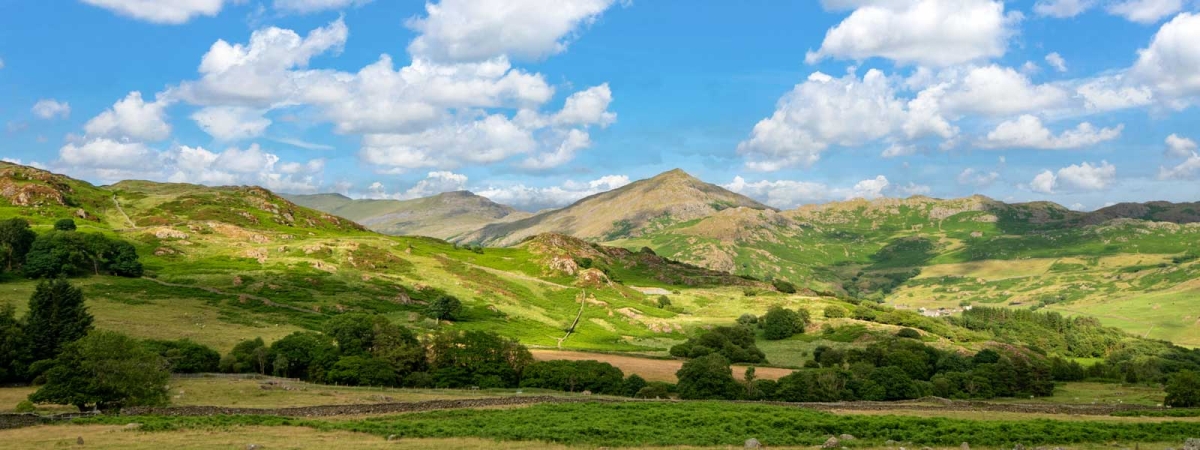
(657, 389)
(64, 225)
(780, 323)
(632, 385)
(747, 319)
(734, 343)
(25, 406)
(708, 378)
(445, 307)
(1183, 391)
(185, 356)
(784, 286)
(908, 333)
(835, 312)
(663, 301)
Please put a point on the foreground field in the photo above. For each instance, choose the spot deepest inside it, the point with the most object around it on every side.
(693, 423)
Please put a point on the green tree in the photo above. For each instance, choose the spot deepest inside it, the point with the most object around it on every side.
(360, 334)
(632, 385)
(476, 358)
(574, 376)
(247, 356)
(784, 286)
(663, 301)
(14, 346)
(444, 308)
(303, 354)
(1183, 390)
(64, 225)
(708, 378)
(185, 356)
(106, 370)
(780, 323)
(56, 317)
(835, 312)
(362, 371)
(734, 343)
(15, 240)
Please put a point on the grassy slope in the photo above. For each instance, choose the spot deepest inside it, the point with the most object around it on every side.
(443, 216)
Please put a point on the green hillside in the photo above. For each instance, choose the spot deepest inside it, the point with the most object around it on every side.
(444, 216)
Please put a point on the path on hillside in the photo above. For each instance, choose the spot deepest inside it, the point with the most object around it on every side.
(121, 210)
(264, 300)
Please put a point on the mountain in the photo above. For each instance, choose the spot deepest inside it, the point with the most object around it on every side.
(632, 210)
(443, 216)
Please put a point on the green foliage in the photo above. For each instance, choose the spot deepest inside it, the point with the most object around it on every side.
(1078, 337)
(16, 238)
(362, 371)
(781, 323)
(575, 376)
(460, 359)
(835, 312)
(784, 286)
(248, 356)
(1183, 391)
(70, 253)
(302, 355)
(633, 384)
(908, 333)
(185, 356)
(107, 370)
(653, 390)
(56, 317)
(708, 377)
(663, 301)
(14, 346)
(734, 343)
(25, 406)
(64, 225)
(445, 307)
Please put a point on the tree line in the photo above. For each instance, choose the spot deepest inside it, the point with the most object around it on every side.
(64, 251)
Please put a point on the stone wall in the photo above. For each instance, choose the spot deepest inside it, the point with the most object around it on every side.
(343, 410)
(10, 420)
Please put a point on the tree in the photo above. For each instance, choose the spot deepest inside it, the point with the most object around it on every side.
(70, 253)
(362, 371)
(835, 312)
(56, 317)
(784, 286)
(734, 343)
(632, 385)
(445, 308)
(106, 370)
(247, 356)
(663, 301)
(14, 346)
(303, 354)
(708, 378)
(64, 225)
(574, 376)
(1183, 390)
(476, 358)
(185, 356)
(15, 240)
(780, 323)
(360, 334)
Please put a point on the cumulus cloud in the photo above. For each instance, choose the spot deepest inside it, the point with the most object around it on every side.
(105, 153)
(922, 32)
(537, 198)
(786, 194)
(1145, 11)
(1113, 92)
(132, 118)
(231, 123)
(1028, 132)
(848, 111)
(234, 166)
(1180, 147)
(434, 183)
(1076, 177)
(311, 6)
(478, 30)
(1189, 169)
(1171, 63)
(1056, 61)
(50, 108)
(171, 12)
(996, 91)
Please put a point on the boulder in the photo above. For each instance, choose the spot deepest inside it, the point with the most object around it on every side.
(79, 440)
(832, 442)
(753, 443)
(847, 437)
(392, 437)
(964, 446)
(1191, 444)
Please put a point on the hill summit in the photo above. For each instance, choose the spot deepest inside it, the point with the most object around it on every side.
(632, 210)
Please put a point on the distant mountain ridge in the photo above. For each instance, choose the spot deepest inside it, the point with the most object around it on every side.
(443, 216)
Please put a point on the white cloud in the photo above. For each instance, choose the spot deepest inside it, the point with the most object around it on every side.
(1080, 177)
(1113, 92)
(996, 91)
(234, 166)
(571, 143)
(587, 107)
(898, 150)
(1186, 170)
(1056, 61)
(132, 118)
(51, 108)
(478, 30)
(311, 6)
(824, 111)
(537, 198)
(1028, 132)
(782, 193)
(231, 123)
(1171, 63)
(171, 12)
(489, 140)
(922, 32)
(106, 153)
(912, 189)
(1180, 147)
(1062, 8)
(1, 63)
(977, 178)
(1145, 11)
(870, 188)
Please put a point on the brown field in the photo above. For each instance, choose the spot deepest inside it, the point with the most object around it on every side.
(648, 368)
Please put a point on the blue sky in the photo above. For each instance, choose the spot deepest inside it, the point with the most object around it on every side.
(537, 103)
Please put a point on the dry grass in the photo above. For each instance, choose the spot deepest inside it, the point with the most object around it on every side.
(650, 369)
(1000, 415)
